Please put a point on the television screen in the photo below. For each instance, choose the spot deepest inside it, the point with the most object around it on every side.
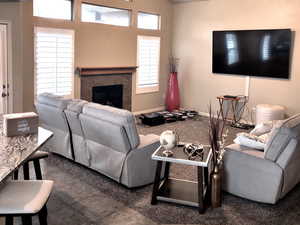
(261, 53)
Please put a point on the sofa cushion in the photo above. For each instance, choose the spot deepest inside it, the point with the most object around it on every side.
(121, 117)
(246, 150)
(76, 105)
(282, 132)
(53, 100)
(105, 133)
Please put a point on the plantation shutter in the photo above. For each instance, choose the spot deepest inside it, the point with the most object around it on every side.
(54, 61)
(148, 61)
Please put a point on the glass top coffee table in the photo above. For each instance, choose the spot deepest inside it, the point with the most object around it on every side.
(179, 191)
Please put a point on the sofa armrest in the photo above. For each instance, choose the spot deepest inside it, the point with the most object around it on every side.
(146, 140)
(139, 169)
(252, 177)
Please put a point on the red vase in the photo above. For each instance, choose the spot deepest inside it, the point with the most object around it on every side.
(172, 98)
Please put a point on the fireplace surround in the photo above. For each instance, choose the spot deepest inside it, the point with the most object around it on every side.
(93, 77)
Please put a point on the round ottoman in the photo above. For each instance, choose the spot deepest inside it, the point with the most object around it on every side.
(267, 112)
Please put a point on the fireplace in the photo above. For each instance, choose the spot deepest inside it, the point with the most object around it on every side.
(107, 85)
(108, 95)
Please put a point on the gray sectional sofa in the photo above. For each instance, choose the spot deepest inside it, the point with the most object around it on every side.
(265, 176)
(100, 137)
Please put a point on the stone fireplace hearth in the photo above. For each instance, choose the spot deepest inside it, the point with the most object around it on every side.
(93, 78)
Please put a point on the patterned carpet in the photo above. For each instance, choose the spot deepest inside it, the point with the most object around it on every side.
(84, 197)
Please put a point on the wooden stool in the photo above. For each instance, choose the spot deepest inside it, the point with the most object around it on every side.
(35, 158)
(25, 199)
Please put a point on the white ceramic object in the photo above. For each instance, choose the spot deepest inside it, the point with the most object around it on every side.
(168, 139)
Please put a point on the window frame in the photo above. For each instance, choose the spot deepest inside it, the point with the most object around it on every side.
(158, 21)
(106, 6)
(153, 88)
(72, 16)
(55, 30)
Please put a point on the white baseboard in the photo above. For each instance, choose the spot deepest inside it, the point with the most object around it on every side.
(205, 114)
(161, 108)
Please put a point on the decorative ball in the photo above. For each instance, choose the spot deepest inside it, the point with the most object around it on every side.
(168, 139)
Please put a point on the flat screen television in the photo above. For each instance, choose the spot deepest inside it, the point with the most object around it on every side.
(261, 53)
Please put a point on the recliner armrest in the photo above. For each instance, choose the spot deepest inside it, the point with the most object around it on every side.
(252, 177)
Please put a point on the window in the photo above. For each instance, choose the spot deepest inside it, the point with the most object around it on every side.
(105, 15)
(148, 21)
(148, 55)
(55, 9)
(54, 61)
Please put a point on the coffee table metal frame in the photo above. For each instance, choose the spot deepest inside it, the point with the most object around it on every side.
(185, 192)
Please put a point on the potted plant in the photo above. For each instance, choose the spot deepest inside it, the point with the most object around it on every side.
(172, 97)
(217, 139)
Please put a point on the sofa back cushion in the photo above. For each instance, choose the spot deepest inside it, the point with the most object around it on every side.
(105, 133)
(120, 117)
(72, 112)
(51, 115)
(51, 111)
(282, 133)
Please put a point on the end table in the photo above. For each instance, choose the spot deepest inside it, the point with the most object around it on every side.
(179, 191)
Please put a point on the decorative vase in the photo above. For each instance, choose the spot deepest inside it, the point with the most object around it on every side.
(172, 98)
(216, 194)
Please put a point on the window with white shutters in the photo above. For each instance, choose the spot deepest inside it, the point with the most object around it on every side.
(54, 61)
(148, 56)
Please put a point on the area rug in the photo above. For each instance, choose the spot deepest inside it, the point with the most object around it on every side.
(84, 197)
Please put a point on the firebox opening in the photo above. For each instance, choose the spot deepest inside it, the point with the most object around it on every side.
(108, 95)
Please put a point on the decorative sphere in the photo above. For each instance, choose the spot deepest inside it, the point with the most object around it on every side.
(168, 139)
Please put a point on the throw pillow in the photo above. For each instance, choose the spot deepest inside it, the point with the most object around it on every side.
(263, 128)
(251, 141)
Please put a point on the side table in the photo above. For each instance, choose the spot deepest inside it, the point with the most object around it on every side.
(237, 107)
(179, 191)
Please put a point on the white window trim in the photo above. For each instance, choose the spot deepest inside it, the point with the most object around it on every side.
(153, 88)
(54, 30)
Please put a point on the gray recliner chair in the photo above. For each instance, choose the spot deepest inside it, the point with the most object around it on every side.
(114, 146)
(52, 117)
(265, 176)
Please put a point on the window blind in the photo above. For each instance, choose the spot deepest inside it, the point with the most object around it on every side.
(148, 61)
(54, 61)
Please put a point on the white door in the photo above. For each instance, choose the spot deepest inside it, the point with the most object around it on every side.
(3, 69)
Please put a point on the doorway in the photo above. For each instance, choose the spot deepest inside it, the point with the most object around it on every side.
(3, 68)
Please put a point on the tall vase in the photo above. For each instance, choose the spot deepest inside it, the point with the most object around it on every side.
(216, 194)
(173, 98)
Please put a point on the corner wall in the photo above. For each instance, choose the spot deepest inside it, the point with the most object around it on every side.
(193, 24)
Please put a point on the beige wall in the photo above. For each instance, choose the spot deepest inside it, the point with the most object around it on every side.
(192, 42)
(105, 45)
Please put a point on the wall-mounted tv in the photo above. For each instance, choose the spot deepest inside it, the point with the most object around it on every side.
(261, 53)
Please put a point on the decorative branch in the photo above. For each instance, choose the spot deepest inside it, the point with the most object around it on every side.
(216, 137)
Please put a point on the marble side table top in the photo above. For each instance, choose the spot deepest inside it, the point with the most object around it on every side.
(181, 158)
(15, 150)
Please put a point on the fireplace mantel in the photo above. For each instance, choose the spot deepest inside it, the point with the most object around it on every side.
(90, 71)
